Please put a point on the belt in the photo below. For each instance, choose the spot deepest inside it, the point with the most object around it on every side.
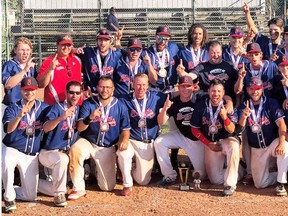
(63, 151)
(29, 153)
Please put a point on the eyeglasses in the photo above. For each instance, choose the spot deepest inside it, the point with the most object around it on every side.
(132, 49)
(74, 92)
(161, 38)
(105, 87)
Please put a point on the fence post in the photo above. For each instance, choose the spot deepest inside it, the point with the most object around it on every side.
(40, 50)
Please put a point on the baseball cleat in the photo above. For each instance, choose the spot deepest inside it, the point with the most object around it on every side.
(167, 181)
(280, 190)
(60, 200)
(127, 191)
(248, 180)
(10, 206)
(229, 190)
(76, 195)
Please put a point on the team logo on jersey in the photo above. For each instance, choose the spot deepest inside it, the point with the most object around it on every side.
(263, 121)
(111, 121)
(222, 77)
(267, 85)
(124, 78)
(191, 65)
(94, 68)
(148, 113)
(206, 121)
(108, 70)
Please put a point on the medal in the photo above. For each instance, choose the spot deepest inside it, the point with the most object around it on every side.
(104, 126)
(213, 129)
(162, 72)
(69, 134)
(30, 130)
(256, 128)
(142, 123)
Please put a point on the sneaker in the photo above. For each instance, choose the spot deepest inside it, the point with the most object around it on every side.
(167, 181)
(280, 190)
(60, 200)
(229, 190)
(127, 191)
(10, 206)
(248, 180)
(76, 195)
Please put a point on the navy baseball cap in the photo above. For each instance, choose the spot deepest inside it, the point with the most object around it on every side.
(236, 32)
(283, 60)
(64, 39)
(255, 83)
(163, 30)
(104, 34)
(189, 79)
(134, 43)
(253, 48)
(29, 83)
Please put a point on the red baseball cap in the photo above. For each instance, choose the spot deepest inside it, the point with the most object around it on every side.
(236, 32)
(104, 34)
(253, 48)
(163, 30)
(64, 39)
(134, 43)
(255, 83)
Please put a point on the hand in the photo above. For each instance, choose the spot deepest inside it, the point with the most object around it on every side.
(285, 104)
(274, 56)
(223, 112)
(251, 34)
(246, 8)
(214, 147)
(122, 146)
(68, 113)
(147, 59)
(242, 71)
(26, 108)
(29, 64)
(87, 93)
(284, 80)
(247, 111)
(54, 63)
(167, 103)
(79, 50)
(242, 51)
(280, 149)
(119, 33)
(97, 112)
(180, 69)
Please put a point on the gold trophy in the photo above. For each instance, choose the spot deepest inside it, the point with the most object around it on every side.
(183, 173)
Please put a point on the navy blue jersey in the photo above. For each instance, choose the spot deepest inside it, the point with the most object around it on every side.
(201, 120)
(223, 71)
(278, 89)
(235, 60)
(118, 120)
(123, 76)
(91, 68)
(171, 79)
(155, 101)
(267, 73)
(187, 59)
(270, 113)
(18, 138)
(9, 69)
(58, 137)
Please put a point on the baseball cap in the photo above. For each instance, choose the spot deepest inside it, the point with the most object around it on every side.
(253, 48)
(255, 83)
(283, 60)
(286, 30)
(64, 39)
(104, 34)
(29, 83)
(189, 79)
(163, 30)
(236, 32)
(134, 43)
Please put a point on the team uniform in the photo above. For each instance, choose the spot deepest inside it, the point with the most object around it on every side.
(182, 138)
(233, 59)
(214, 161)
(223, 71)
(94, 66)
(61, 75)
(21, 150)
(54, 152)
(192, 58)
(262, 133)
(164, 61)
(98, 143)
(144, 129)
(267, 72)
(9, 69)
(124, 74)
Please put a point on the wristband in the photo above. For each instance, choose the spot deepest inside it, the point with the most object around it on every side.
(87, 120)
(227, 122)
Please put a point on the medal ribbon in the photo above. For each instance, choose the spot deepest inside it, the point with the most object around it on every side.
(256, 116)
(105, 115)
(132, 71)
(195, 58)
(271, 47)
(140, 111)
(214, 117)
(256, 73)
(162, 59)
(107, 58)
(234, 61)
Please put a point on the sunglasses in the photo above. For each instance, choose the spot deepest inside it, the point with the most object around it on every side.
(161, 38)
(132, 49)
(74, 92)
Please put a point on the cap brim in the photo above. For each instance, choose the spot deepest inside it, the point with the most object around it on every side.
(186, 84)
(164, 33)
(236, 35)
(29, 87)
(283, 64)
(135, 46)
(254, 51)
(65, 42)
(256, 87)
(107, 37)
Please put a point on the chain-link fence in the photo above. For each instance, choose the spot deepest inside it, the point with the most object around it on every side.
(41, 21)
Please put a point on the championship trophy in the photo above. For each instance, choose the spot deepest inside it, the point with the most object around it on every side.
(197, 181)
(183, 173)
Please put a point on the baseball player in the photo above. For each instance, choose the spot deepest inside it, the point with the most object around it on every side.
(100, 60)
(265, 70)
(163, 55)
(265, 126)
(215, 129)
(103, 123)
(59, 69)
(60, 126)
(129, 65)
(234, 52)
(268, 45)
(143, 106)
(195, 52)
(22, 123)
(282, 50)
(180, 109)
(13, 71)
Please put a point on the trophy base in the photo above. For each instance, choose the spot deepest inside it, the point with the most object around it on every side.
(184, 187)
